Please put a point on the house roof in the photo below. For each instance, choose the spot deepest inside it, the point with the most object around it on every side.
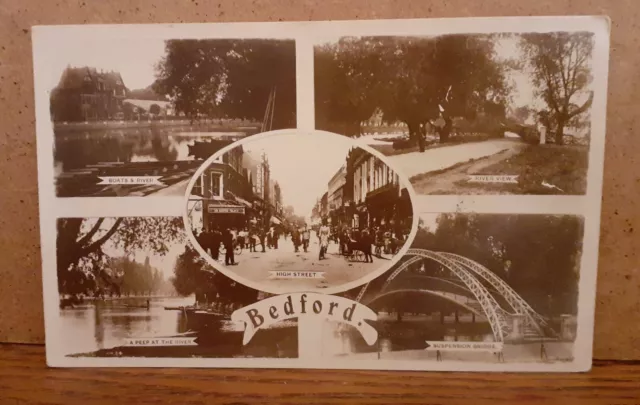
(74, 77)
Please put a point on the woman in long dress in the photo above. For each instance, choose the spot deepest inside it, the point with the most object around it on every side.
(323, 233)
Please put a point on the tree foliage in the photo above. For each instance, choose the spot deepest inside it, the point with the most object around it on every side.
(561, 72)
(230, 78)
(83, 266)
(537, 255)
(130, 277)
(193, 275)
(146, 93)
(411, 79)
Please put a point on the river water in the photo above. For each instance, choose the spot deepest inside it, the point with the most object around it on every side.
(77, 148)
(107, 324)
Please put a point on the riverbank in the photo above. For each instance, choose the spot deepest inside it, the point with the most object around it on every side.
(214, 125)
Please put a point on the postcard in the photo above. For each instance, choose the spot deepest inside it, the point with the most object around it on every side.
(417, 194)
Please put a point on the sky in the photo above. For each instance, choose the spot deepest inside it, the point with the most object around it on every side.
(429, 220)
(134, 58)
(302, 165)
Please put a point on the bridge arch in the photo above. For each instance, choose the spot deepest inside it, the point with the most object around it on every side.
(453, 298)
(470, 273)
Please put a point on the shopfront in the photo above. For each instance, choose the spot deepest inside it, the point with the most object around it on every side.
(224, 214)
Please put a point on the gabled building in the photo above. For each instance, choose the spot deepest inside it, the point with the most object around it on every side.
(86, 94)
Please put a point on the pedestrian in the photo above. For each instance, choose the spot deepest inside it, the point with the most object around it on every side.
(295, 238)
(251, 240)
(306, 237)
(242, 237)
(227, 241)
(323, 235)
(263, 236)
(216, 240)
(276, 236)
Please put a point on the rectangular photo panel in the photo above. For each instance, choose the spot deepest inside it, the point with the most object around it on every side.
(134, 287)
(480, 289)
(136, 116)
(486, 113)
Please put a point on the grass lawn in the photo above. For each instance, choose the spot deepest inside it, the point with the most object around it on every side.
(562, 166)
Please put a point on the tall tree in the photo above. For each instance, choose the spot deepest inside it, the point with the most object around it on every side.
(347, 81)
(193, 275)
(412, 79)
(230, 77)
(561, 72)
(538, 255)
(440, 78)
(80, 243)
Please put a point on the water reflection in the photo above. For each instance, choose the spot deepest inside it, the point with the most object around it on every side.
(393, 336)
(77, 149)
(106, 324)
(103, 327)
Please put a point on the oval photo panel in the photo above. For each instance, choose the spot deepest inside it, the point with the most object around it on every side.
(290, 211)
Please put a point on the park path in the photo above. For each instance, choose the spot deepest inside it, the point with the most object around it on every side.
(441, 158)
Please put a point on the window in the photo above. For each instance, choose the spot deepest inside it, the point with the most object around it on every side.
(197, 187)
(216, 184)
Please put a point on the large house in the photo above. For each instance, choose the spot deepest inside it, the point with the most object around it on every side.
(86, 94)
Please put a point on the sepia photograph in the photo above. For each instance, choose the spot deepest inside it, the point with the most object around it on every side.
(134, 287)
(296, 211)
(138, 117)
(488, 288)
(503, 113)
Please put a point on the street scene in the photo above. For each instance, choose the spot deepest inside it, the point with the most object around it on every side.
(293, 212)
(134, 287)
(138, 117)
(465, 114)
(507, 294)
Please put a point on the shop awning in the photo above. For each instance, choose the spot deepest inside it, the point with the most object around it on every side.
(245, 202)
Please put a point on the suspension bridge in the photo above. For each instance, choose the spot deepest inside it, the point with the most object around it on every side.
(482, 293)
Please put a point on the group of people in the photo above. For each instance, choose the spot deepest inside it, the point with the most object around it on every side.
(348, 239)
(211, 240)
(230, 238)
(302, 237)
(385, 241)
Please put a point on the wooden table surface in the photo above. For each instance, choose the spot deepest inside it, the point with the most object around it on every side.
(25, 379)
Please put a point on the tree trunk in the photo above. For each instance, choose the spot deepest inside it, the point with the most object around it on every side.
(559, 135)
(445, 131)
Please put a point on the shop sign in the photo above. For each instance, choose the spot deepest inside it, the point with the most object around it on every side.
(225, 209)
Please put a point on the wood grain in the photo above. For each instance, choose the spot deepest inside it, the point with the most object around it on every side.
(25, 379)
(618, 303)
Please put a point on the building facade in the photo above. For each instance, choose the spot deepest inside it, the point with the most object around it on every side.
(86, 94)
(378, 199)
(336, 196)
(225, 192)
